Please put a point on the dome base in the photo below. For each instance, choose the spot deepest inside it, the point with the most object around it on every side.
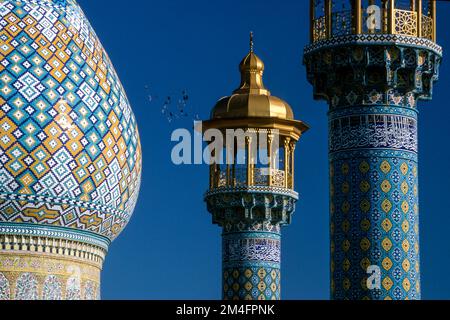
(40, 268)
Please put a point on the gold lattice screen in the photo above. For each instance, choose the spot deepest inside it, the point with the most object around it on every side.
(333, 18)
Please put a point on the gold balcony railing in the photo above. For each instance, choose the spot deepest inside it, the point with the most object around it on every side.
(405, 22)
(387, 19)
(277, 170)
(320, 29)
(260, 177)
(427, 27)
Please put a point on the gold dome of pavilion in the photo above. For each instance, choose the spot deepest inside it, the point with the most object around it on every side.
(252, 99)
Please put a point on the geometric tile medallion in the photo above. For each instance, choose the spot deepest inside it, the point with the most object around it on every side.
(70, 154)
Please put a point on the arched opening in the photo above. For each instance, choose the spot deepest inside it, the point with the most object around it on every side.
(263, 160)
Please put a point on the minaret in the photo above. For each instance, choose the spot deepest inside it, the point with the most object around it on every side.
(372, 61)
(249, 200)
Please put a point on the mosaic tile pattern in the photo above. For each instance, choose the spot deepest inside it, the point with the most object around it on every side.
(374, 221)
(372, 84)
(251, 283)
(73, 289)
(44, 277)
(251, 262)
(26, 287)
(69, 146)
(374, 201)
(251, 239)
(5, 293)
(52, 289)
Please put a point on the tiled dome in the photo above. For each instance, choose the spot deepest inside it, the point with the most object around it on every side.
(70, 155)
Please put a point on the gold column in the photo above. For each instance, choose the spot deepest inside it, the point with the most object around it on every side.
(216, 175)
(391, 17)
(248, 142)
(292, 163)
(385, 16)
(234, 165)
(286, 161)
(212, 172)
(328, 18)
(433, 16)
(413, 5)
(312, 17)
(419, 18)
(357, 16)
(269, 155)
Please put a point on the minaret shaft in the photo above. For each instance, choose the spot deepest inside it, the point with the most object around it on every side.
(373, 62)
(373, 90)
(374, 202)
(251, 262)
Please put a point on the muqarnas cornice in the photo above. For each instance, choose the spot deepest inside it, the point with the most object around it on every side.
(380, 71)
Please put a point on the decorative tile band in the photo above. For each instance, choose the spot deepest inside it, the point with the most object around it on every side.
(375, 39)
(16, 229)
(256, 227)
(384, 109)
(42, 277)
(63, 201)
(373, 131)
(244, 247)
(254, 189)
(373, 153)
(69, 249)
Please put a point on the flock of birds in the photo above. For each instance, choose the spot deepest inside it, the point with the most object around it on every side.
(174, 107)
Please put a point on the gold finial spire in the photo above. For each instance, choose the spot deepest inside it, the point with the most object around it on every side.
(252, 69)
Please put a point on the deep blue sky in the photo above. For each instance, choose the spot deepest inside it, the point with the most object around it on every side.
(170, 249)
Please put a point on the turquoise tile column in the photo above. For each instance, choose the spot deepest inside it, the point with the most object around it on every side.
(251, 223)
(373, 84)
(251, 261)
(374, 202)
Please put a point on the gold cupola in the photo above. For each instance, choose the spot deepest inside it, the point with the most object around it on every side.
(252, 105)
(252, 99)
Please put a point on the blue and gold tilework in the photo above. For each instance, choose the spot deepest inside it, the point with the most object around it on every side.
(251, 261)
(251, 225)
(70, 154)
(375, 222)
(374, 209)
(373, 84)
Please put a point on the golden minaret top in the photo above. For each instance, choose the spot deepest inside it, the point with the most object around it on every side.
(251, 99)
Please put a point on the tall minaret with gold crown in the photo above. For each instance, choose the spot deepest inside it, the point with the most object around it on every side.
(250, 200)
(373, 62)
